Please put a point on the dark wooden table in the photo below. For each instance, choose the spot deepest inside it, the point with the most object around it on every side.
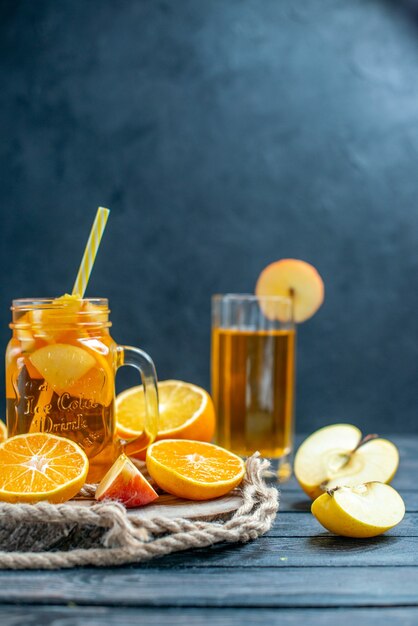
(296, 573)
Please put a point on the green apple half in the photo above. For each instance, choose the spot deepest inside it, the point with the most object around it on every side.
(335, 456)
(363, 511)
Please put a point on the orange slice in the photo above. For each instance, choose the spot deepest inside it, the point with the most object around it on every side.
(194, 469)
(41, 466)
(3, 431)
(291, 277)
(62, 364)
(186, 412)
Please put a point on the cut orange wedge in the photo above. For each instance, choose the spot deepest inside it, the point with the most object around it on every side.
(291, 277)
(186, 412)
(3, 431)
(194, 469)
(41, 466)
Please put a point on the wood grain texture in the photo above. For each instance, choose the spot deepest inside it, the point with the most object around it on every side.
(98, 616)
(305, 525)
(171, 506)
(251, 587)
(316, 551)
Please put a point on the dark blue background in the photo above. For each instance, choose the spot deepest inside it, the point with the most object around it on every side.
(223, 134)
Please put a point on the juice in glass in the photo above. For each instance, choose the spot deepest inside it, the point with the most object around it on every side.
(60, 377)
(253, 377)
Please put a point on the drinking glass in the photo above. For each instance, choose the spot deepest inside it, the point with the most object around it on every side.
(61, 364)
(253, 376)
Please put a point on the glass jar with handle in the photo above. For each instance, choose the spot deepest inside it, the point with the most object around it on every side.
(61, 364)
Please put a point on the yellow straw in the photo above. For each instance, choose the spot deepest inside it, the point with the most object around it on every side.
(90, 252)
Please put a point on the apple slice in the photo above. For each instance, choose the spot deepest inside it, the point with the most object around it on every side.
(335, 456)
(125, 483)
(291, 277)
(62, 364)
(366, 510)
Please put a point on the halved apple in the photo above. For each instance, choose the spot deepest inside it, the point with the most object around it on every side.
(125, 483)
(295, 278)
(366, 510)
(333, 457)
(62, 364)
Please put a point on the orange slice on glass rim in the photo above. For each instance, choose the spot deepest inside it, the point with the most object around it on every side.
(186, 412)
(195, 470)
(291, 278)
(41, 466)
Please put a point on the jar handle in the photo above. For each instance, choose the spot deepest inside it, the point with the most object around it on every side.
(140, 360)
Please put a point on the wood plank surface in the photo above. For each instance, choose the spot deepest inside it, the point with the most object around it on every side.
(98, 616)
(297, 525)
(318, 551)
(251, 587)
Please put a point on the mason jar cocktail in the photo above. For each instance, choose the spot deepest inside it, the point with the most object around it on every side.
(61, 364)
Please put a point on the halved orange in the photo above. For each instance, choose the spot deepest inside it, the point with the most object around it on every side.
(3, 431)
(291, 277)
(41, 466)
(194, 469)
(186, 412)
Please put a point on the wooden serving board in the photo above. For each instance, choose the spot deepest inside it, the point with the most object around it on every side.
(170, 506)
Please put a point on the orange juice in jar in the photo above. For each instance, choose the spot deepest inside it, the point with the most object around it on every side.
(60, 377)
